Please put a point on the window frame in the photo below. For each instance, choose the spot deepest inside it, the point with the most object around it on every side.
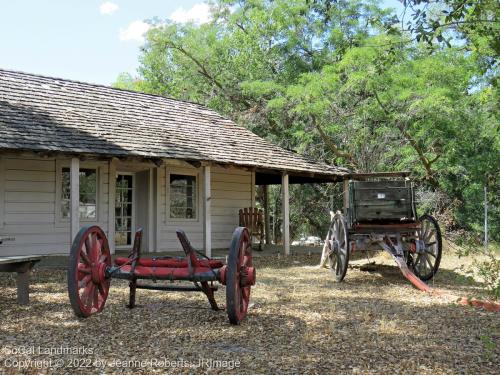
(182, 172)
(60, 164)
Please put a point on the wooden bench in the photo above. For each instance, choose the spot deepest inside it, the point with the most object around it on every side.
(23, 266)
(252, 218)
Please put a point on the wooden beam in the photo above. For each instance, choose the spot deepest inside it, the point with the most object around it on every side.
(75, 198)
(252, 191)
(286, 212)
(267, 224)
(346, 196)
(151, 214)
(111, 203)
(159, 219)
(362, 176)
(2, 191)
(207, 211)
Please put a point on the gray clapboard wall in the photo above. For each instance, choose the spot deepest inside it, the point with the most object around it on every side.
(30, 205)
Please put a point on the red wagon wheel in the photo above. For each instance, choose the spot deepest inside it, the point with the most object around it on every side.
(88, 286)
(240, 275)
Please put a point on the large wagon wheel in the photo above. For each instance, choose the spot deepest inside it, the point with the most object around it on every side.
(240, 276)
(424, 261)
(88, 286)
(338, 245)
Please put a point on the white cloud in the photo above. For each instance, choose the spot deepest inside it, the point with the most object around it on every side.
(134, 31)
(108, 8)
(198, 13)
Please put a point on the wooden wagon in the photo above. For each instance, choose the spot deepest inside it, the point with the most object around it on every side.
(380, 214)
(91, 269)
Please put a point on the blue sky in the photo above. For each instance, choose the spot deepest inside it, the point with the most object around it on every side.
(86, 40)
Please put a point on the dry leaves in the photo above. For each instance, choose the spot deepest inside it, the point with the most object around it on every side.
(301, 322)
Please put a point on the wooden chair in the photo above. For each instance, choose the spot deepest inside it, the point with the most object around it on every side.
(253, 219)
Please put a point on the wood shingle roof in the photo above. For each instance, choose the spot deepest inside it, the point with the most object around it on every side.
(57, 115)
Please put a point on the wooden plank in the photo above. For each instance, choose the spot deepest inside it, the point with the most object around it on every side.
(219, 194)
(267, 222)
(17, 196)
(158, 206)
(75, 198)
(30, 164)
(252, 190)
(207, 223)
(111, 204)
(231, 186)
(232, 178)
(286, 213)
(30, 176)
(38, 187)
(2, 191)
(29, 218)
(23, 207)
(151, 213)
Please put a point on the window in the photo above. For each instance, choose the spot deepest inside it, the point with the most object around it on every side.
(88, 194)
(182, 196)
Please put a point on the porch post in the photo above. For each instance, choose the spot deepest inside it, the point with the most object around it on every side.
(151, 221)
(207, 211)
(252, 190)
(286, 213)
(267, 226)
(75, 198)
(111, 204)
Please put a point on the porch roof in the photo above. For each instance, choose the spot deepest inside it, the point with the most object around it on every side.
(44, 114)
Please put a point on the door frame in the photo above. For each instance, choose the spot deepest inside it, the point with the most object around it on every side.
(132, 229)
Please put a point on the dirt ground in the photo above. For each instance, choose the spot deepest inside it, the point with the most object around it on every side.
(301, 322)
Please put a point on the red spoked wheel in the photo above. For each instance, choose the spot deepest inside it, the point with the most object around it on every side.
(88, 286)
(239, 276)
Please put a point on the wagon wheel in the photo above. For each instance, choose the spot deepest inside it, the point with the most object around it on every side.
(338, 256)
(240, 275)
(88, 286)
(424, 261)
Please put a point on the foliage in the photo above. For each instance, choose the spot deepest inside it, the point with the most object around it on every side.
(474, 23)
(341, 82)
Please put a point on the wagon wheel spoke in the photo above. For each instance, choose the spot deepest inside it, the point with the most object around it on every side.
(96, 297)
(102, 292)
(431, 254)
(88, 248)
(83, 282)
(429, 235)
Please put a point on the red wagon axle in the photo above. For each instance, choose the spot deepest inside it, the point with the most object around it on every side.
(90, 272)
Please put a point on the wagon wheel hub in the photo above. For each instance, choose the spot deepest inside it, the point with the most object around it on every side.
(247, 276)
(98, 272)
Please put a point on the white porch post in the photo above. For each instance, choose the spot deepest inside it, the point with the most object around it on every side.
(75, 197)
(207, 220)
(252, 190)
(159, 217)
(151, 216)
(286, 213)
(111, 204)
